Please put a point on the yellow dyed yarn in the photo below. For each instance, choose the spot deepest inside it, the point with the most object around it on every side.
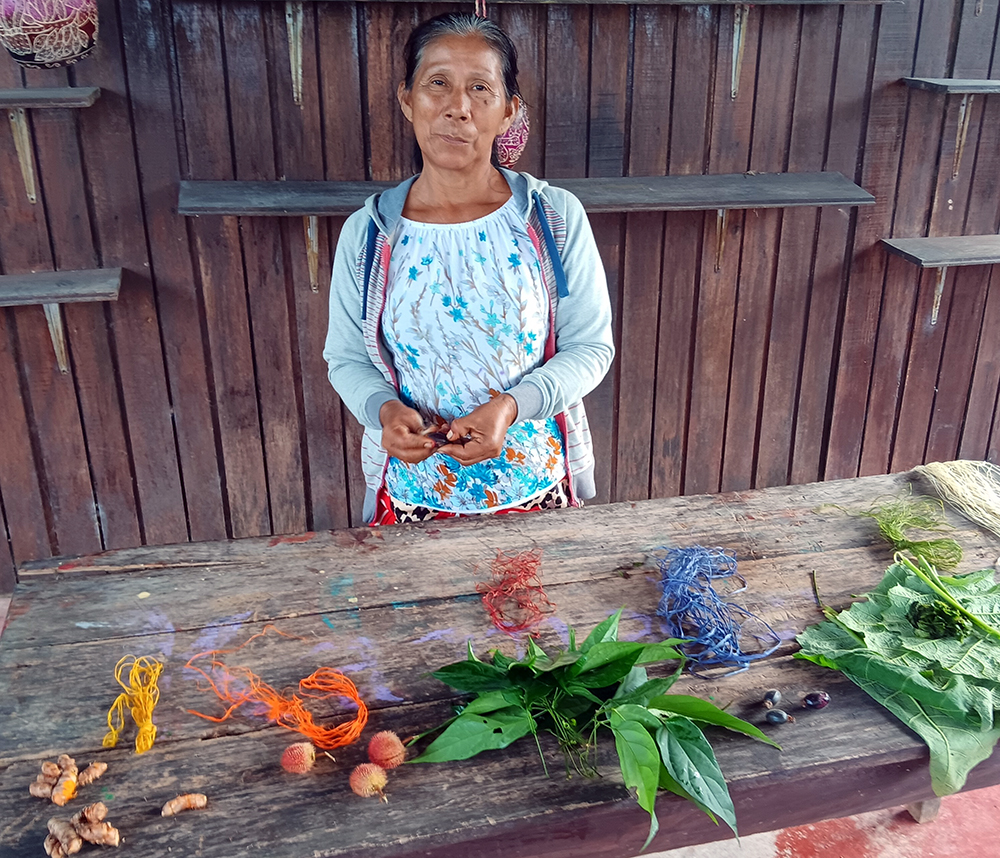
(141, 695)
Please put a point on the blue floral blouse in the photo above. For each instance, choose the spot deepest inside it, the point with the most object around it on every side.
(466, 316)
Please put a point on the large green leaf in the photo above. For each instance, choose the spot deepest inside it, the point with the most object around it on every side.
(606, 630)
(473, 676)
(640, 765)
(639, 714)
(643, 693)
(491, 701)
(689, 759)
(470, 734)
(707, 713)
(944, 689)
(668, 783)
(665, 650)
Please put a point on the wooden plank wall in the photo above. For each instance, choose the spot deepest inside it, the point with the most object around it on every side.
(197, 406)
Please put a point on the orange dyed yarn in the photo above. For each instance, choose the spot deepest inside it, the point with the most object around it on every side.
(286, 709)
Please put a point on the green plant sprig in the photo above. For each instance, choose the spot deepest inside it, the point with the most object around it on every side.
(575, 693)
(928, 574)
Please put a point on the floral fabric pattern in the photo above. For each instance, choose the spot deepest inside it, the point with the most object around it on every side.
(466, 317)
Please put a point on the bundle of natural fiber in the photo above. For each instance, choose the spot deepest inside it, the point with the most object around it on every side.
(972, 487)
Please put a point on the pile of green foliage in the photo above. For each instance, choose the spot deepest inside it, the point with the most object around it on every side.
(927, 648)
(573, 694)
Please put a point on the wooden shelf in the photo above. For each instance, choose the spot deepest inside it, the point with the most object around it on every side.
(66, 96)
(60, 287)
(944, 84)
(946, 251)
(629, 194)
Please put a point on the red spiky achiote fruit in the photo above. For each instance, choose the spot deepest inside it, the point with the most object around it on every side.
(298, 758)
(386, 750)
(369, 779)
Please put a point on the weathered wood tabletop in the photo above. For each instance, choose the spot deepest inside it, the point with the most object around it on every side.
(389, 605)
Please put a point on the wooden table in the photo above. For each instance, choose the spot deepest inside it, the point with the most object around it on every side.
(387, 606)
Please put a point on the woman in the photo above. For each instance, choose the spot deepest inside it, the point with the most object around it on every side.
(469, 312)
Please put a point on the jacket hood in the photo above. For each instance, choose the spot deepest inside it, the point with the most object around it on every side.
(386, 207)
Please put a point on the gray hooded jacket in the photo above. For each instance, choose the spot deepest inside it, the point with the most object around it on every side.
(578, 354)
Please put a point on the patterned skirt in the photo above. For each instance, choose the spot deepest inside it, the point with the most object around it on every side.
(389, 510)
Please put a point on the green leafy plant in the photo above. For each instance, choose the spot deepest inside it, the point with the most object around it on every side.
(573, 694)
(935, 666)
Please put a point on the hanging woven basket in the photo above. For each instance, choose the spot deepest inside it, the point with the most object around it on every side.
(48, 33)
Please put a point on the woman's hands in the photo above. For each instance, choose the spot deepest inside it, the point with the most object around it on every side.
(484, 429)
(402, 433)
(476, 437)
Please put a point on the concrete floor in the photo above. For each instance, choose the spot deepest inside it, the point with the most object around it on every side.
(968, 826)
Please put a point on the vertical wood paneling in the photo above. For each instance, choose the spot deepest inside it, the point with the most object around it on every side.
(223, 291)
(694, 46)
(331, 114)
(567, 90)
(264, 263)
(525, 24)
(897, 28)
(134, 334)
(20, 487)
(606, 157)
(75, 245)
(642, 270)
(151, 72)
(776, 71)
(926, 371)
(49, 396)
(833, 250)
(732, 119)
(984, 207)
(792, 284)
(197, 406)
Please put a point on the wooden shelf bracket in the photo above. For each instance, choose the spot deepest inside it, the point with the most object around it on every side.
(22, 145)
(741, 21)
(294, 14)
(17, 101)
(52, 288)
(944, 252)
(311, 223)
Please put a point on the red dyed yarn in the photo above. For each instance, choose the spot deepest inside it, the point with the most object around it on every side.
(513, 597)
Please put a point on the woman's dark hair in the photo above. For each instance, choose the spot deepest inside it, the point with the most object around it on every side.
(461, 24)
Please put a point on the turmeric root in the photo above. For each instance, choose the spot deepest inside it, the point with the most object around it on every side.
(66, 836)
(40, 789)
(189, 801)
(65, 787)
(91, 773)
(59, 781)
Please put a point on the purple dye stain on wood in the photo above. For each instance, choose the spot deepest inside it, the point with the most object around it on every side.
(560, 629)
(373, 687)
(219, 633)
(440, 634)
(644, 631)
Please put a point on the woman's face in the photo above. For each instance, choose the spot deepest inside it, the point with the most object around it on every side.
(457, 104)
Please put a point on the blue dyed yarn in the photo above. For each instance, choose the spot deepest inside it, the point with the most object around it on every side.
(692, 609)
